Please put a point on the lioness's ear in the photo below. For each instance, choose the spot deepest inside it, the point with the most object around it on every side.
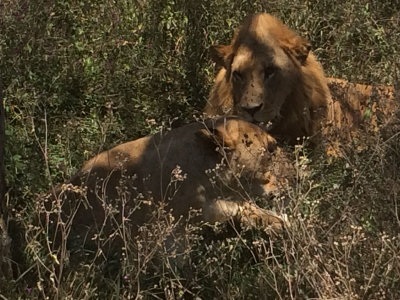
(299, 48)
(272, 144)
(216, 136)
(220, 54)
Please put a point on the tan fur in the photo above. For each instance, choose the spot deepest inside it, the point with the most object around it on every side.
(267, 75)
(357, 106)
(210, 166)
(360, 101)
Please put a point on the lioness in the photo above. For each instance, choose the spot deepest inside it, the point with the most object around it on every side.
(268, 74)
(207, 166)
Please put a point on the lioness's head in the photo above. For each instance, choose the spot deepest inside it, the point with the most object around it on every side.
(246, 146)
(263, 65)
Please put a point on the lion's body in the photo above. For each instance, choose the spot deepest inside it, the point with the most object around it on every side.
(356, 102)
(209, 166)
(268, 75)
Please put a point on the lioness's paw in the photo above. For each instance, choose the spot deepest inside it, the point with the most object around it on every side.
(274, 224)
(268, 221)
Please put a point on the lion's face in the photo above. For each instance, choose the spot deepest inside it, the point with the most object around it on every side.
(267, 72)
(261, 81)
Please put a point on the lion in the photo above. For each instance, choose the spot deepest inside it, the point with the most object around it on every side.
(210, 167)
(269, 75)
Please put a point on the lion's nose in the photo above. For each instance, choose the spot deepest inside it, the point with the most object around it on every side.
(252, 109)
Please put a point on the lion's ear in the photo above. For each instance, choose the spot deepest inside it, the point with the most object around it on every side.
(220, 54)
(299, 48)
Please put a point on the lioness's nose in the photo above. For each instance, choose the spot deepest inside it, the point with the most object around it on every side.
(251, 110)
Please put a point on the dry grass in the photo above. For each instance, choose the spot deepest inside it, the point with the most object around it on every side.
(342, 244)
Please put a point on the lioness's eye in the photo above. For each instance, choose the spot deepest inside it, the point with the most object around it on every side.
(236, 76)
(268, 72)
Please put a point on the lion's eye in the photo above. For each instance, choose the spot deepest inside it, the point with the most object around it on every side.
(237, 76)
(269, 72)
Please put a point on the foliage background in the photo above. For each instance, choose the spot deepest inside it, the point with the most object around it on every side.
(82, 76)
